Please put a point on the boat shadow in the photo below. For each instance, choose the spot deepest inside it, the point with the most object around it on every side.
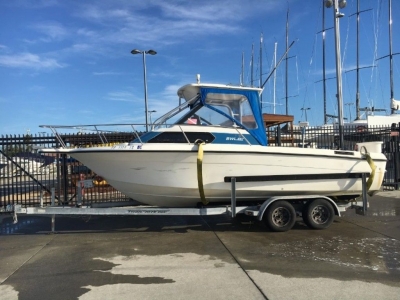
(31, 225)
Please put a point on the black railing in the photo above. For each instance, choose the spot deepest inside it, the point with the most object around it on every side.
(29, 178)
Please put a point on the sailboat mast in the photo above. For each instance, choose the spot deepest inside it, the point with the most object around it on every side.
(337, 15)
(323, 65)
(261, 41)
(358, 63)
(391, 57)
(276, 47)
(242, 73)
(252, 63)
(358, 59)
(286, 73)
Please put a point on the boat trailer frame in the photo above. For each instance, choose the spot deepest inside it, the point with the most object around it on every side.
(232, 209)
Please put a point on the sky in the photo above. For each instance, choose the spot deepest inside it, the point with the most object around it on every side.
(70, 62)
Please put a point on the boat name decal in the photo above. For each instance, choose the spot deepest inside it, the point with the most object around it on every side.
(228, 138)
(131, 147)
(148, 211)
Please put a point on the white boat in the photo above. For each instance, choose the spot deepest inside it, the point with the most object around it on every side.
(218, 133)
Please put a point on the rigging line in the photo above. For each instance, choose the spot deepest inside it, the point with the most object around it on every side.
(315, 69)
(313, 51)
(265, 52)
(347, 86)
(374, 34)
(380, 82)
(345, 46)
(297, 75)
(374, 70)
(379, 20)
(271, 90)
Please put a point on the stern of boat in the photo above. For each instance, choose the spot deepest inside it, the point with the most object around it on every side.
(377, 162)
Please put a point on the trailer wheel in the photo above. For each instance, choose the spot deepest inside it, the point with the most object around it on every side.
(280, 216)
(318, 214)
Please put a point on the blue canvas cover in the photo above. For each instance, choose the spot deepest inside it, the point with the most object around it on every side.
(254, 101)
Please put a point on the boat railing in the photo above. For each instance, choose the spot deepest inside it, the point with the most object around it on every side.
(92, 128)
(102, 131)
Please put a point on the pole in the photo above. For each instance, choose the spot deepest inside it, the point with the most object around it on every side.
(337, 15)
(242, 73)
(393, 110)
(260, 81)
(323, 65)
(277, 64)
(358, 63)
(276, 47)
(145, 90)
(252, 63)
(286, 73)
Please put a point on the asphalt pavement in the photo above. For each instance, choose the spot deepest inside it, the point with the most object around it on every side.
(213, 257)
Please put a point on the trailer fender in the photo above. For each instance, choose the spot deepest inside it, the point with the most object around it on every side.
(269, 201)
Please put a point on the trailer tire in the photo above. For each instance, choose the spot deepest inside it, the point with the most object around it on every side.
(280, 216)
(318, 214)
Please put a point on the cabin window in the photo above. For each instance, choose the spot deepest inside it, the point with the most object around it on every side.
(179, 137)
(235, 105)
(210, 117)
(248, 119)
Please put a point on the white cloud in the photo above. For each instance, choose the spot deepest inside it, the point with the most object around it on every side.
(37, 88)
(182, 19)
(29, 60)
(32, 4)
(87, 33)
(120, 96)
(80, 47)
(53, 31)
(106, 73)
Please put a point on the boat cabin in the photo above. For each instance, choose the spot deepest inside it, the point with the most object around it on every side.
(219, 106)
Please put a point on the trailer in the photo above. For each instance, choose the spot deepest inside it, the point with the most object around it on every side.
(279, 213)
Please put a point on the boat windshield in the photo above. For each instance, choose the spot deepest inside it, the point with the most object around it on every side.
(226, 110)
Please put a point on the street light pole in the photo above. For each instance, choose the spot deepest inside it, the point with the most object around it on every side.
(151, 52)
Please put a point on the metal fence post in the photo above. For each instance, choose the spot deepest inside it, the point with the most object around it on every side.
(65, 178)
(53, 196)
(233, 196)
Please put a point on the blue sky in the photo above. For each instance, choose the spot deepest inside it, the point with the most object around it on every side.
(69, 62)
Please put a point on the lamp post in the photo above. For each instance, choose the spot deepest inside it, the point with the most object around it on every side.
(151, 52)
(305, 111)
(337, 15)
(150, 112)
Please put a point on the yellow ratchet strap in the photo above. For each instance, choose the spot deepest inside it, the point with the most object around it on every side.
(373, 168)
(200, 144)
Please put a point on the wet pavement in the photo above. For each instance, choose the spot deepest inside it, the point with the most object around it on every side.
(215, 257)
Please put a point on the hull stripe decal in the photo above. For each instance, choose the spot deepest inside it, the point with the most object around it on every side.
(214, 152)
(295, 177)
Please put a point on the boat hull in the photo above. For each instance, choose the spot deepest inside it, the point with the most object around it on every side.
(167, 175)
